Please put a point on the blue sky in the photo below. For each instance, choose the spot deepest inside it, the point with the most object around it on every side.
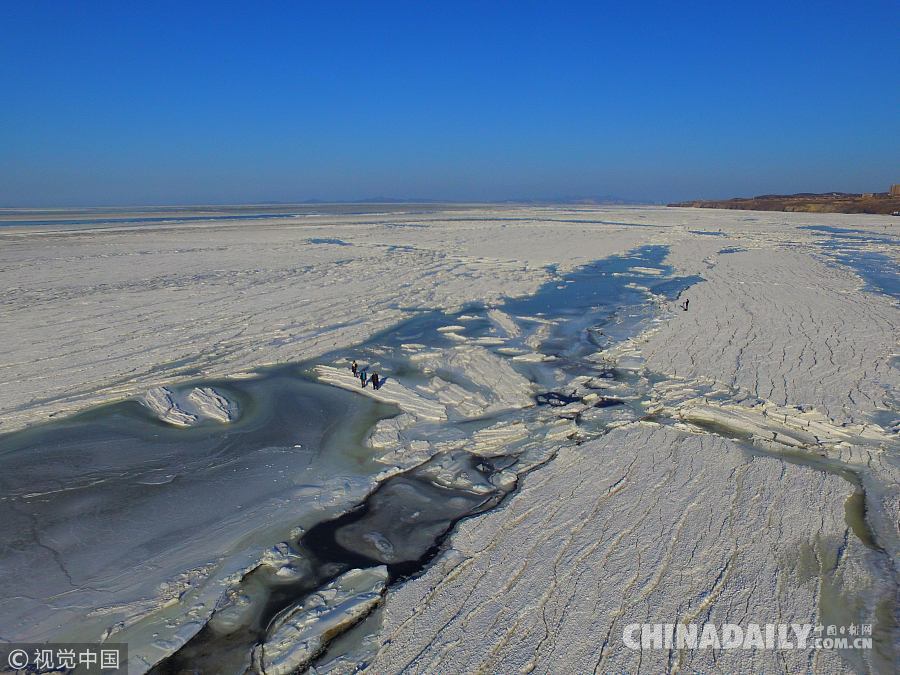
(115, 103)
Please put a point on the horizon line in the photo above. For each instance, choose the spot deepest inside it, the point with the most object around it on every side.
(585, 201)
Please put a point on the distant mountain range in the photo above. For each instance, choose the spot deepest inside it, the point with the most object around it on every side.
(885, 203)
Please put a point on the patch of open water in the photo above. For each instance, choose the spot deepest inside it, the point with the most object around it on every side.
(859, 250)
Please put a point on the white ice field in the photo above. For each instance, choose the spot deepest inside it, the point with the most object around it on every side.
(558, 450)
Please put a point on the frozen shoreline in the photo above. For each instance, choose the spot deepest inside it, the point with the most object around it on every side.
(833, 377)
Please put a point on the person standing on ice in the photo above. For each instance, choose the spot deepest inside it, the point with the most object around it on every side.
(685, 305)
(375, 382)
(354, 367)
(362, 378)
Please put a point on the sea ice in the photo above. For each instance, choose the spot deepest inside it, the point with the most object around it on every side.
(300, 633)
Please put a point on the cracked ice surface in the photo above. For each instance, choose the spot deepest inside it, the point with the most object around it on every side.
(94, 314)
(792, 346)
(114, 518)
(390, 392)
(784, 326)
(186, 409)
(297, 635)
(645, 524)
(497, 386)
(666, 523)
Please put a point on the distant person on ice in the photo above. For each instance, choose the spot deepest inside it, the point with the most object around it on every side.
(354, 367)
(375, 382)
(362, 378)
(685, 305)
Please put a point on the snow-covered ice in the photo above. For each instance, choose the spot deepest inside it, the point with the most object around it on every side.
(185, 409)
(738, 461)
(300, 633)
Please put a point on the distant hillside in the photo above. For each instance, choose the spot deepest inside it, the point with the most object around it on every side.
(886, 203)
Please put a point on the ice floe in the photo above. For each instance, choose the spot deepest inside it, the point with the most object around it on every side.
(390, 392)
(504, 322)
(185, 409)
(297, 635)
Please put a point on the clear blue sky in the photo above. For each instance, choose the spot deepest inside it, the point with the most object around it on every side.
(115, 103)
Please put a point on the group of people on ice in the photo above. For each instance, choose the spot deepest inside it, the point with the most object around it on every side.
(364, 378)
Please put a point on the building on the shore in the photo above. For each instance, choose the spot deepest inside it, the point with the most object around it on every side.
(895, 190)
